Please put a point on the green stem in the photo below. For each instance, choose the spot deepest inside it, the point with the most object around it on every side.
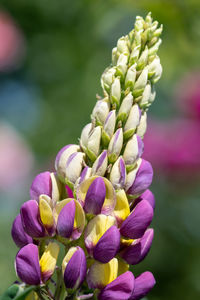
(60, 287)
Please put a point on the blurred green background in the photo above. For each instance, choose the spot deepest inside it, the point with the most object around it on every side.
(56, 53)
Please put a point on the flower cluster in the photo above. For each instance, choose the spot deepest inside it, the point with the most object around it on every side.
(97, 202)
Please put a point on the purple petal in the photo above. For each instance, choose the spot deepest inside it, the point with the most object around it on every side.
(41, 185)
(31, 220)
(121, 288)
(122, 172)
(101, 159)
(108, 245)
(143, 284)
(75, 271)
(60, 153)
(147, 195)
(27, 265)
(95, 196)
(142, 180)
(140, 146)
(18, 234)
(138, 221)
(136, 252)
(69, 192)
(83, 174)
(66, 217)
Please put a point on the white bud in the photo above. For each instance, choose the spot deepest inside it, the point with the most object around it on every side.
(146, 96)
(122, 64)
(101, 110)
(133, 150)
(132, 121)
(74, 166)
(85, 136)
(148, 19)
(134, 54)
(153, 50)
(141, 129)
(94, 139)
(100, 165)
(122, 45)
(125, 107)
(107, 78)
(115, 56)
(118, 174)
(152, 96)
(85, 174)
(132, 175)
(142, 61)
(155, 68)
(130, 76)
(139, 24)
(116, 91)
(115, 145)
(109, 125)
(142, 80)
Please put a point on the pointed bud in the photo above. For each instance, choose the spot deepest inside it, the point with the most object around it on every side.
(27, 265)
(142, 127)
(142, 180)
(62, 157)
(75, 270)
(110, 197)
(135, 54)
(109, 127)
(122, 45)
(125, 108)
(138, 221)
(100, 165)
(130, 77)
(116, 92)
(120, 288)
(148, 196)
(139, 248)
(122, 64)
(107, 79)
(118, 174)
(31, 220)
(65, 222)
(143, 284)
(115, 56)
(93, 144)
(143, 59)
(154, 49)
(48, 261)
(132, 121)
(145, 100)
(85, 174)
(122, 209)
(101, 111)
(140, 83)
(115, 145)
(85, 136)
(95, 196)
(74, 167)
(20, 237)
(139, 23)
(133, 150)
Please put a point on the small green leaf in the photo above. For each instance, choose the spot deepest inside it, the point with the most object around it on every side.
(17, 292)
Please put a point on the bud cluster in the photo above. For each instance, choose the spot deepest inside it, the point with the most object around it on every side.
(97, 203)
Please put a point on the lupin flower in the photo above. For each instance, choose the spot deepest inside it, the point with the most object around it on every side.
(97, 203)
(31, 269)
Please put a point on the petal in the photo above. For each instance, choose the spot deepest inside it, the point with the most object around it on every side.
(143, 284)
(138, 221)
(27, 265)
(96, 229)
(147, 195)
(41, 185)
(138, 250)
(142, 180)
(108, 245)
(118, 174)
(122, 209)
(48, 261)
(74, 167)
(30, 219)
(75, 271)
(95, 196)
(100, 275)
(46, 215)
(79, 221)
(66, 217)
(18, 234)
(100, 165)
(121, 288)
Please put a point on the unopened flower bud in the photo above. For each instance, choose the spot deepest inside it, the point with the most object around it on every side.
(101, 111)
(143, 59)
(107, 78)
(155, 70)
(118, 174)
(134, 54)
(142, 127)
(125, 108)
(122, 64)
(109, 127)
(145, 96)
(154, 49)
(139, 23)
(133, 150)
(132, 121)
(115, 56)
(122, 46)
(115, 145)
(85, 174)
(93, 144)
(138, 221)
(130, 77)
(20, 237)
(116, 92)
(75, 268)
(100, 165)
(140, 83)
(73, 167)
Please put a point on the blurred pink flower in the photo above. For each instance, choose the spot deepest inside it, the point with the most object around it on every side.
(11, 43)
(174, 147)
(187, 95)
(16, 159)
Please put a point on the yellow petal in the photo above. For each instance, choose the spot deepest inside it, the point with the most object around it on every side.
(48, 260)
(122, 209)
(96, 228)
(122, 267)
(32, 296)
(46, 213)
(67, 257)
(59, 207)
(79, 221)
